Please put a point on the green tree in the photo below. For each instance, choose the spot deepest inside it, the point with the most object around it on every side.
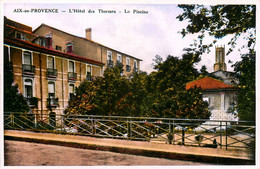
(220, 21)
(170, 96)
(13, 100)
(245, 72)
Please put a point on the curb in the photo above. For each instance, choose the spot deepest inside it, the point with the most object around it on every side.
(142, 152)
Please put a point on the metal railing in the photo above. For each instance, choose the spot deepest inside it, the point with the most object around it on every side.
(52, 73)
(28, 69)
(72, 76)
(192, 132)
(52, 102)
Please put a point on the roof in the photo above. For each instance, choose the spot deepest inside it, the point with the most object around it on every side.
(82, 38)
(21, 30)
(208, 83)
(32, 46)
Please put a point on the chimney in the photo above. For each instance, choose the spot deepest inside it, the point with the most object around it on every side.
(88, 33)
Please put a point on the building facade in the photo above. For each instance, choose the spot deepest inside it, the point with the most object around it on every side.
(86, 47)
(46, 76)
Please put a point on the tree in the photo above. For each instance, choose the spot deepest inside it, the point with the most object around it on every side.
(105, 95)
(13, 99)
(170, 96)
(220, 21)
(245, 72)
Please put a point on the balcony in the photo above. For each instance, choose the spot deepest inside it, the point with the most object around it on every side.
(52, 102)
(28, 70)
(128, 68)
(52, 73)
(110, 63)
(32, 101)
(72, 76)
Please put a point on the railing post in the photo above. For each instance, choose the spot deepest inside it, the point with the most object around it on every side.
(35, 121)
(95, 131)
(220, 129)
(226, 136)
(183, 136)
(173, 132)
(12, 119)
(130, 130)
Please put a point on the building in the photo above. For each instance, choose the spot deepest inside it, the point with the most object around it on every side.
(86, 47)
(48, 68)
(220, 94)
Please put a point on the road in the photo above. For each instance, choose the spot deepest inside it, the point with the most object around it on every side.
(19, 153)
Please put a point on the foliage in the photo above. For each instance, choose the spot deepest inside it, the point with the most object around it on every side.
(245, 72)
(219, 21)
(170, 96)
(160, 94)
(13, 100)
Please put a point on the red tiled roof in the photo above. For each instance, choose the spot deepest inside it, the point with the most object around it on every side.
(38, 48)
(208, 83)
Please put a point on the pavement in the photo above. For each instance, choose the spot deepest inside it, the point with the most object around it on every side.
(144, 148)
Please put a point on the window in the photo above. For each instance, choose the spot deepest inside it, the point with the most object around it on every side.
(27, 58)
(19, 35)
(119, 58)
(51, 90)
(89, 72)
(58, 48)
(71, 73)
(109, 59)
(69, 47)
(128, 67)
(28, 89)
(51, 71)
(27, 66)
(49, 41)
(135, 66)
(71, 66)
(42, 41)
(52, 101)
(50, 63)
(206, 99)
(71, 91)
(109, 55)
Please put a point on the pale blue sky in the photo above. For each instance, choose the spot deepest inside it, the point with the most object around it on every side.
(140, 35)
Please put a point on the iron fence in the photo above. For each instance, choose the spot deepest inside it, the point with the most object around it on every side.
(192, 132)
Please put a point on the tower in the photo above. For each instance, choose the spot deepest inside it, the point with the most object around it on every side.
(220, 59)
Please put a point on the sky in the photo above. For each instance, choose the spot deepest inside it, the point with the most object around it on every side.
(140, 35)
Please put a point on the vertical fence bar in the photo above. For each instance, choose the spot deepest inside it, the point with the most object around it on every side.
(12, 119)
(95, 130)
(226, 136)
(130, 129)
(173, 133)
(35, 121)
(220, 129)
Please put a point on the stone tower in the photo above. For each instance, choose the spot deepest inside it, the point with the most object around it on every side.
(220, 59)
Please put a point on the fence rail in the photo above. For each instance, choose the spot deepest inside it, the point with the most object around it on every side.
(195, 132)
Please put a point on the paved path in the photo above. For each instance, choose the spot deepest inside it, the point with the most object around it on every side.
(19, 153)
(201, 154)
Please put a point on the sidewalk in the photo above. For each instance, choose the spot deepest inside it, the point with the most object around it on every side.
(201, 154)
